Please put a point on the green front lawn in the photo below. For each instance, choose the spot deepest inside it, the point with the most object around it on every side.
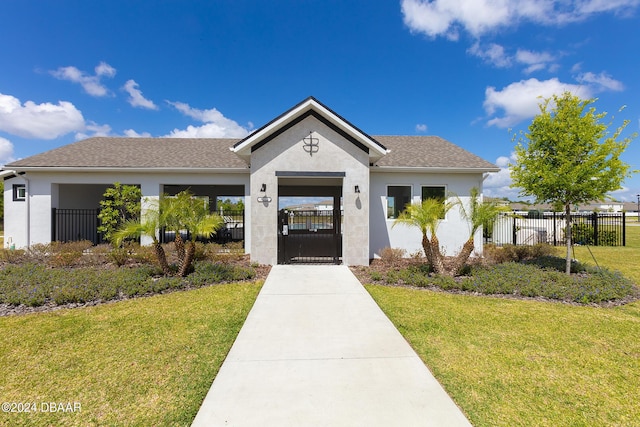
(508, 362)
(145, 362)
(524, 363)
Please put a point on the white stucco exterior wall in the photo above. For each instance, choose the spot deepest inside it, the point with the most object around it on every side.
(453, 231)
(15, 215)
(335, 154)
(46, 190)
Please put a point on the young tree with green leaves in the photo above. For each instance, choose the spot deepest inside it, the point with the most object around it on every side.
(426, 217)
(568, 157)
(119, 204)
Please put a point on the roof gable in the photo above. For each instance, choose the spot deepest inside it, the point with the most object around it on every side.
(309, 107)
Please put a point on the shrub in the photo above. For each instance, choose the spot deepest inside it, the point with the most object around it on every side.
(119, 256)
(39, 252)
(530, 280)
(514, 253)
(97, 255)
(556, 263)
(391, 256)
(141, 254)
(12, 256)
(67, 254)
(26, 284)
(206, 273)
(228, 252)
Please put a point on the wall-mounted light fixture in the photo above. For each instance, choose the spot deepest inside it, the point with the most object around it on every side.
(264, 198)
(357, 189)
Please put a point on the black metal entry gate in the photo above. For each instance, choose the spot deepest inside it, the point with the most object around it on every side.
(310, 236)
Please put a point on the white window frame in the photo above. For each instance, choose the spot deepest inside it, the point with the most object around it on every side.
(19, 192)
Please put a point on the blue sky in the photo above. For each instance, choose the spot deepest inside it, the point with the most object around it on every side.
(466, 70)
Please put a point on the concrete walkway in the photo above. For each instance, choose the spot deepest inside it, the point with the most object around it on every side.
(316, 350)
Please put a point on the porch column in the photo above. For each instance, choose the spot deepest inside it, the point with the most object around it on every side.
(150, 198)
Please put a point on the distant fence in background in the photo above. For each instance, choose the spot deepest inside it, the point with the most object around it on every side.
(231, 231)
(593, 229)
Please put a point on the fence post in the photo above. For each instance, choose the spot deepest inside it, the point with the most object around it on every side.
(555, 221)
(594, 222)
(53, 224)
(624, 229)
(513, 232)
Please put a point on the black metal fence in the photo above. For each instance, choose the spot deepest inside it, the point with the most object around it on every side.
(70, 225)
(593, 229)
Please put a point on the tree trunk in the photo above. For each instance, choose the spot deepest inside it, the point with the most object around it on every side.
(179, 245)
(438, 264)
(188, 259)
(426, 246)
(463, 256)
(162, 258)
(567, 210)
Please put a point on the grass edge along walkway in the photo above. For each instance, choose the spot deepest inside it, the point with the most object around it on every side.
(520, 363)
(145, 361)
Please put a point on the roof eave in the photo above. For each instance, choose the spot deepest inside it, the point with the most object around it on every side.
(90, 169)
(457, 170)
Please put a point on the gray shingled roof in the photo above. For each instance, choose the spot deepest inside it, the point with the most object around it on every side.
(428, 152)
(108, 152)
(115, 152)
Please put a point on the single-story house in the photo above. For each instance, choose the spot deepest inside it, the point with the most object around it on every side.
(308, 151)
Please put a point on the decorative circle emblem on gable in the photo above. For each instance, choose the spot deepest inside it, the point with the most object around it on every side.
(311, 144)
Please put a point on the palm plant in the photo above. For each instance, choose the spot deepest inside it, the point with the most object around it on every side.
(147, 226)
(478, 214)
(427, 216)
(192, 214)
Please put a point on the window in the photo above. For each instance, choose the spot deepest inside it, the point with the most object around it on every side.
(398, 196)
(436, 192)
(19, 192)
(433, 193)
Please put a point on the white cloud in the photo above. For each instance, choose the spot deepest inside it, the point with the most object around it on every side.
(6, 151)
(135, 96)
(600, 81)
(498, 184)
(497, 56)
(90, 84)
(133, 134)
(104, 69)
(477, 17)
(421, 127)
(38, 121)
(534, 61)
(216, 124)
(520, 100)
(93, 129)
(493, 54)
